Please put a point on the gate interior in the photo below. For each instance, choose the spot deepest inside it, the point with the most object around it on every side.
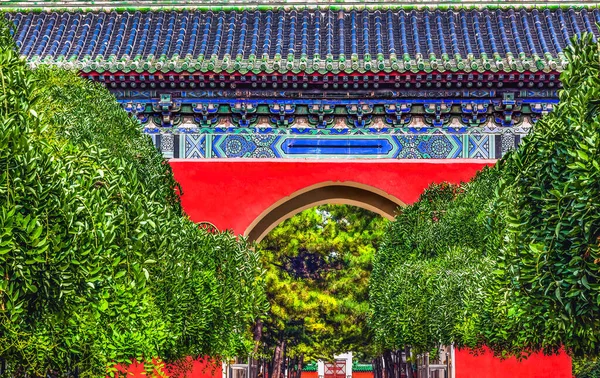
(440, 366)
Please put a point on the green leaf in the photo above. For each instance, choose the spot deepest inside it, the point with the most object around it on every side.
(120, 274)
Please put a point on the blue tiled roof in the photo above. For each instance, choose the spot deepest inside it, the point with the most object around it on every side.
(303, 41)
(264, 4)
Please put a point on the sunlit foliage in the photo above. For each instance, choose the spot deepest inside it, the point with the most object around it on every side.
(318, 266)
(98, 265)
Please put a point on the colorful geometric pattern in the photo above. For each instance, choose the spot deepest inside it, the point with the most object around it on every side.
(438, 145)
(343, 116)
(333, 82)
(195, 146)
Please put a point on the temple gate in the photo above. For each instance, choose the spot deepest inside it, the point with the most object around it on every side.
(267, 109)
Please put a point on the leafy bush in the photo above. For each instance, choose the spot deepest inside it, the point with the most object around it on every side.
(548, 201)
(430, 274)
(586, 368)
(97, 263)
(534, 217)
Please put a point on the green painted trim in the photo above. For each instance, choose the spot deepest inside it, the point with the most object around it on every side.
(208, 150)
(362, 368)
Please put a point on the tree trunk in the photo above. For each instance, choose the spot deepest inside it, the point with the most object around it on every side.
(293, 368)
(253, 365)
(374, 363)
(409, 362)
(278, 359)
(270, 367)
(389, 364)
(377, 368)
(300, 366)
(257, 331)
(266, 368)
(286, 362)
(290, 363)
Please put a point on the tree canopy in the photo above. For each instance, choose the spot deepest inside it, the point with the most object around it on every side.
(527, 231)
(98, 265)
(546, 291)
(431, 271)
(318, 264)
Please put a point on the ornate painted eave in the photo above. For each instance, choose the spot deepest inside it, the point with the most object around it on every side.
(282, 42)
(319, 83)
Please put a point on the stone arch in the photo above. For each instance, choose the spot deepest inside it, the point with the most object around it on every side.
(329, 192)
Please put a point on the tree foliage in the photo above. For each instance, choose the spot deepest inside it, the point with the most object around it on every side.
(548, 201)
(97, 263)
(318, 264)
(586, 368)
(528, 229)
(431, 271)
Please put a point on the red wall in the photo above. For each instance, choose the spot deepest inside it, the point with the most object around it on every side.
(309, 374)
(488, 366)
(188, 369)
(232, 193)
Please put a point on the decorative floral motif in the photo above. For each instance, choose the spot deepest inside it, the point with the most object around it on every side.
(166, 143)
(238, 146)
(263, 152)
(508, 142)
(437, 147)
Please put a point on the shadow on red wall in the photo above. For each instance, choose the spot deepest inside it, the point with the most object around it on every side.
(189, 368)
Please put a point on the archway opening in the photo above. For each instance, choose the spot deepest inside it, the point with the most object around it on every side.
(317, 247)
(318, 265)
(334, 193)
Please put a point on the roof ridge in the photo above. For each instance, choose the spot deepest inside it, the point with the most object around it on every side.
(232, 5)
(282, 42)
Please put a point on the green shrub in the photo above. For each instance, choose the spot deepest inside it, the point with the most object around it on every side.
(586, 368)
(546, 294)
(534, 217)
(430, 274)
(97, 263)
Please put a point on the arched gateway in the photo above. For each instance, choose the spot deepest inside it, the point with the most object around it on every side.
(265, 110)
(251, 196)
(329, 192)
